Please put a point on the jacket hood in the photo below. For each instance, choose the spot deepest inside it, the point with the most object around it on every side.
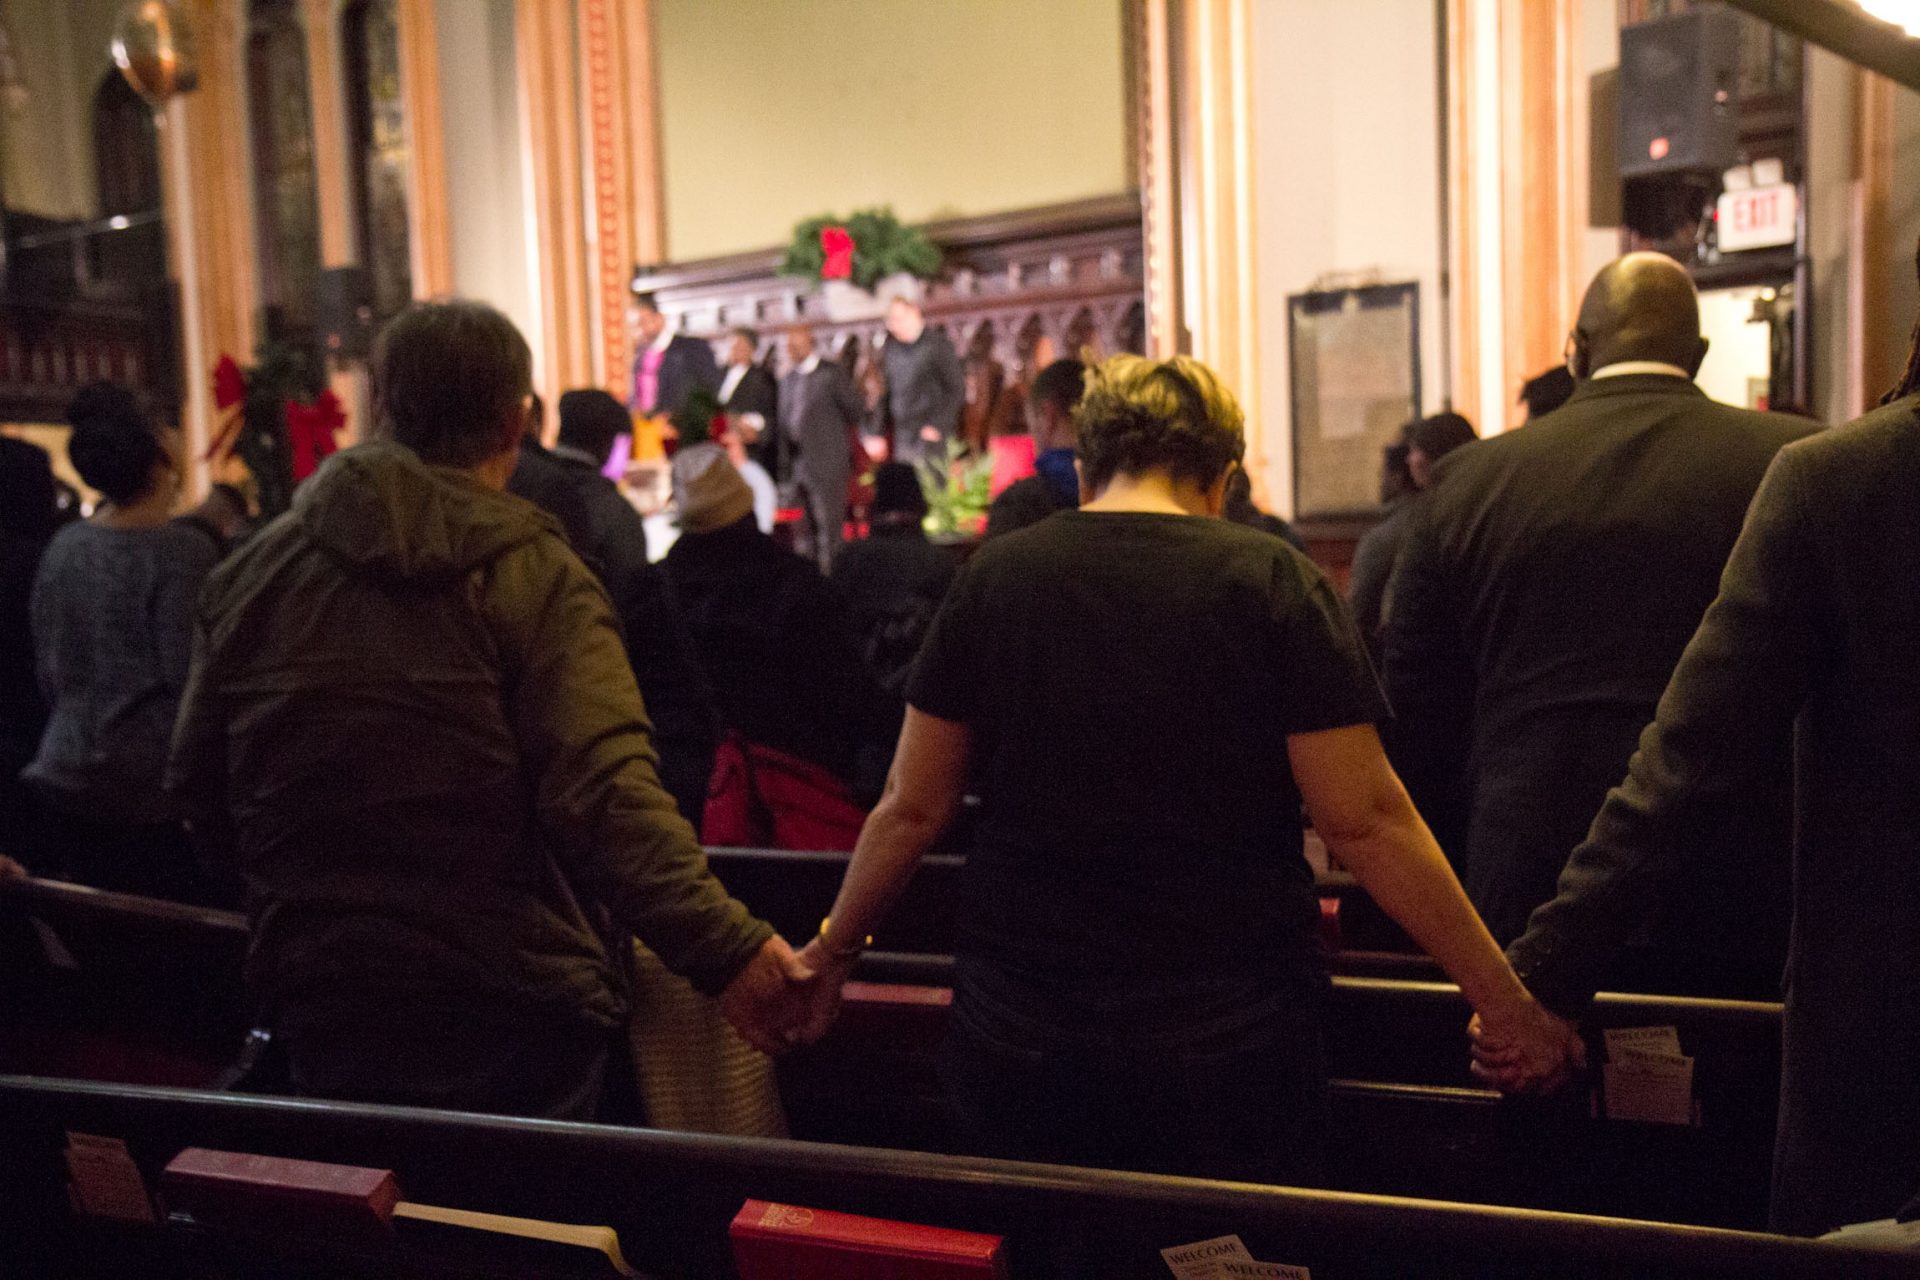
(379, 508)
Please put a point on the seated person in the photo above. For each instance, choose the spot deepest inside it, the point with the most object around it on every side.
(411, 724)
(777, 643)
(1146, 694)
(1055, 485)
(895, 578)
(113, 606)
(611, 537)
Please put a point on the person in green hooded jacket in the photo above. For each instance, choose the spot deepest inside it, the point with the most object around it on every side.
(412, 725)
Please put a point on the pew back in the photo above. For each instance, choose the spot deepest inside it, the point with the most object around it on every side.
(670, 1196)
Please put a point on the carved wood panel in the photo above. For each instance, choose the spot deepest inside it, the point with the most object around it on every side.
(1018, 290)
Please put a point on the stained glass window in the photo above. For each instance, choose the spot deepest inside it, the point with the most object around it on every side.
(371, 35)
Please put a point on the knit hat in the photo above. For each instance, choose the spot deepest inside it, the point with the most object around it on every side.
(708, 490)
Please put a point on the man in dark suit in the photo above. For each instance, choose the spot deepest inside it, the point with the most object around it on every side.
(1810, 648)
(667, 366)
(748, 393)
(820, 415)
(1549, 582)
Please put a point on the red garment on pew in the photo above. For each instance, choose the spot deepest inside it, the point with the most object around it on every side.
(761, 798)
(784, 1242)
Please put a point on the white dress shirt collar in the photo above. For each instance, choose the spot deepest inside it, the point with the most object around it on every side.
(728, 384)
(1629, 368)
(660, 343)
(811, 363)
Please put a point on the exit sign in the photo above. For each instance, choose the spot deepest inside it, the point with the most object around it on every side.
(1759, 218)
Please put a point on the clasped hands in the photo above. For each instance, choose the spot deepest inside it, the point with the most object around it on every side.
(783, 998)
(1524, 1049)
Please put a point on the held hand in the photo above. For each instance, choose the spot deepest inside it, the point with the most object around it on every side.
(930, 434)
(1525, 1050)
(824, 1002)
(771, 998)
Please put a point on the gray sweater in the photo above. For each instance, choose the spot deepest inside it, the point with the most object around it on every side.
(112, 618)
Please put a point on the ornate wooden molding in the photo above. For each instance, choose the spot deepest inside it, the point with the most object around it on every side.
(1160, 205)
(549, 106)
(1020, 288)
(622, 123)
(430, 224)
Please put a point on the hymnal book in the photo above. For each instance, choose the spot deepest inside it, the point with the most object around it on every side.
(261, 1191)
(261, 1196)
(786, 1242)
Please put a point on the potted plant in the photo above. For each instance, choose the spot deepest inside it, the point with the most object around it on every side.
(860, 261)
(958, 489)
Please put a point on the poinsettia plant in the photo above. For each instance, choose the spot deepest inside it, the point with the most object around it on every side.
(862, 248)
(280, 419)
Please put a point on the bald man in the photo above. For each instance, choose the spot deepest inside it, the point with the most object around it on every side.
(1550, 580)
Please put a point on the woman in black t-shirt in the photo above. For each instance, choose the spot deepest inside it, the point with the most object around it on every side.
(1145, 694)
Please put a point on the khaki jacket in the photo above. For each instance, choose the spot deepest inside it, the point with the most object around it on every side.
(410, 707)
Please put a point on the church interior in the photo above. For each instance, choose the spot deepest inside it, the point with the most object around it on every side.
(1025, 638)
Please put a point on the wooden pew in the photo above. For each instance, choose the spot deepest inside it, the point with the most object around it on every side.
(670, 1197)
(155, 999)
(116, 986)
(1409, 1119)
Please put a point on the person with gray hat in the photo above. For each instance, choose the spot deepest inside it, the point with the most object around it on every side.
(777, 642)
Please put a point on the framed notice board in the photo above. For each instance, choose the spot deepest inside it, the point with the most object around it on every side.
(1355, 357)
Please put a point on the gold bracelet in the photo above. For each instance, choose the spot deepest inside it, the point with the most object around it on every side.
(826, 944)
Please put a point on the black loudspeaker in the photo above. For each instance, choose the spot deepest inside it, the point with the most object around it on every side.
(344, 309)
(1679, 93)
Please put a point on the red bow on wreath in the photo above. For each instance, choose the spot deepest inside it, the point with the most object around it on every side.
(310, 432)
(838, 246)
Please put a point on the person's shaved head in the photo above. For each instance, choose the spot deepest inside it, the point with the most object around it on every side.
(1640, 307)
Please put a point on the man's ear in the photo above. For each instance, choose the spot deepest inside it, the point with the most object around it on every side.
(1579, 356)
(1217, 493)
(518, 424)
(1699, 358)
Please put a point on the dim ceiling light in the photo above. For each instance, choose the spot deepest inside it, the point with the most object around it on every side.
(1904, 14)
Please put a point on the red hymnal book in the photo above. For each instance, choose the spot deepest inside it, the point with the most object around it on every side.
(233, 1187)
(784, 1242)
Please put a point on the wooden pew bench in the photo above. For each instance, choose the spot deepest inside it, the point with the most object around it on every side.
(671, 1196)
(154, 997)
(115, 986)
(1408, 1117)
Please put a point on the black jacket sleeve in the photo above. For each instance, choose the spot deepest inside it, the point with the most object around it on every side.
(1429, 678)
(1720, 728)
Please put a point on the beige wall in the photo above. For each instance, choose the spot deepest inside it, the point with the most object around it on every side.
(486, 184)
(1346, 147)
(775, 110)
